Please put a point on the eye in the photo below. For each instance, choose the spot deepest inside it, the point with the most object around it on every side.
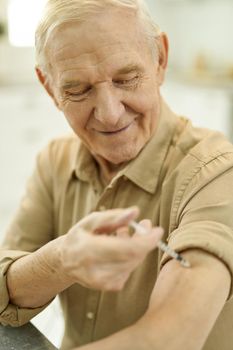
(79, 94)
(127, 82)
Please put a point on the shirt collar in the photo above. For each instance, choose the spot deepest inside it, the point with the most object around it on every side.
(144, 170)
(85, 165)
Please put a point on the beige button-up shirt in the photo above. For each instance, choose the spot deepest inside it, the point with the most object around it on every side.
(182, 180)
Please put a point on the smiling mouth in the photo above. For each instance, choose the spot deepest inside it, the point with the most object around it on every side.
(114, 132)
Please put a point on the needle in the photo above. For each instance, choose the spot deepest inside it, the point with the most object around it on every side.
(163, 246)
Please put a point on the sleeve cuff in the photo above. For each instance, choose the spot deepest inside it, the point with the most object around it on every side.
(11, 314)
(212, 237)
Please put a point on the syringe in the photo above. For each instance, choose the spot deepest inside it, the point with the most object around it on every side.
(161, 245)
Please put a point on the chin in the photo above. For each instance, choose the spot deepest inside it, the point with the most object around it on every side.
(123, 155)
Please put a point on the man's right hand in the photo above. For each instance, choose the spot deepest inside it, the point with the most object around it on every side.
(99, 253)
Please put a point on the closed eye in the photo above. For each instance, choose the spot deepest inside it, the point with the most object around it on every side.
(78, 95)
(127, 83)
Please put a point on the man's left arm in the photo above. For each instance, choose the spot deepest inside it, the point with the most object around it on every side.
(183, 308)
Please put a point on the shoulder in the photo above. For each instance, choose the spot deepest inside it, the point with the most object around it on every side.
(62, 146)
(200, 157)
(199, 148)
(59, 156)
(199, 178)
(200, 143)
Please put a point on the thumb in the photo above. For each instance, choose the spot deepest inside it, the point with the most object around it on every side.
(108, 221)
(144, 229)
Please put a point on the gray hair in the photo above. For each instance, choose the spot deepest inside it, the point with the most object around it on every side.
(58, 12)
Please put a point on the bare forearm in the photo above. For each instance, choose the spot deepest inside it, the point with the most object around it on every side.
(146, 335)
(36, 278)
(127, 339)
(183, 309)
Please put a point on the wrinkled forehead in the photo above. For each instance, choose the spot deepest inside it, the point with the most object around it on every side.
(118, 28)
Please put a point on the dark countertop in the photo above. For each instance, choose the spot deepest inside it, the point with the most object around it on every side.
(26, 337)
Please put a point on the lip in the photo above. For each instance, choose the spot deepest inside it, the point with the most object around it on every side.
(114, 132)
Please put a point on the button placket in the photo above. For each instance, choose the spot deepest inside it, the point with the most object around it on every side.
(106, 200)
(91, 307)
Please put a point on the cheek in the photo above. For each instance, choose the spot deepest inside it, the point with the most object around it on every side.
(149, 108)
(76, 115)
(147, 98)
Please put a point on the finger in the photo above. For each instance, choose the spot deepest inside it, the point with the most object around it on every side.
(148, 240)
(115, 249)
(143, 227)
(157, 232)
(123, 232)
(111, 220)
(107, 218)
(146, 223)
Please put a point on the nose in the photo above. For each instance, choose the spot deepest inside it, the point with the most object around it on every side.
(108, 107)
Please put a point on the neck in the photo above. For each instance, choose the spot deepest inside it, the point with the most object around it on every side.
(107, 169)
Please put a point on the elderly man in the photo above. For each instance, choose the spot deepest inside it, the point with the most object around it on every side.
(103, 62)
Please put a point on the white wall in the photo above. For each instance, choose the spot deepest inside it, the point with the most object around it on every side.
(196, 27)
(28, 120)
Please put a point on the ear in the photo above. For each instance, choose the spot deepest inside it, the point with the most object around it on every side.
(46, 84)
(163, 47)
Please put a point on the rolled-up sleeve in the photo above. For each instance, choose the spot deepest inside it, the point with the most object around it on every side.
(31, 228)
(204, 217)
(11, 314)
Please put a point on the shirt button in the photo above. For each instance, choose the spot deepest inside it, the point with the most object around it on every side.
(90, 315)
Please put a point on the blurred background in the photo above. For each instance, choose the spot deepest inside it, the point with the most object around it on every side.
(199, 85)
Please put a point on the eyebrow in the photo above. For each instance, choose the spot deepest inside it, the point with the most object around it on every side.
(125, 70)
(70, 84)
(129, 68)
